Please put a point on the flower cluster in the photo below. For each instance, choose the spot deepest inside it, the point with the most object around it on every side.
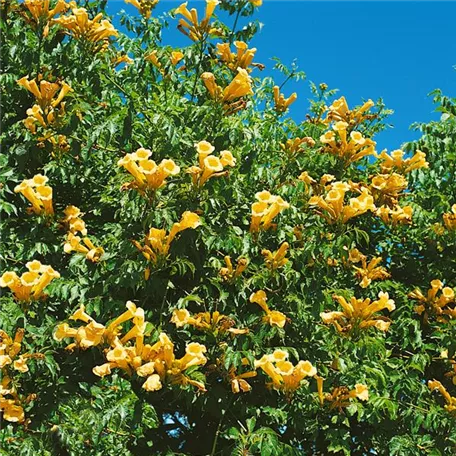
(231, 96)
(359, 314)
(228, 273)
(209, 165)
(264, 210)
(387, 188)
(339, 111)
(144, 7)
(157, 363)
(450, 400)
(332, 206)
(367, 272)
(275, 260)
(281, 104)
(242, 58)
(284, 375)
(74, 243)
(396, 216)
(214, 323)
(31, 284)
(157, 242)
(433, 305)
(272, 317)
(42, 14)
(38, 194)
(297, 145)
(12, 361)
(95, 31)
(396, 162)
(191, 26)
(238, 381)
(341, 396)
(349, 151)
(449, 219)
(148, 176)
(49, 107)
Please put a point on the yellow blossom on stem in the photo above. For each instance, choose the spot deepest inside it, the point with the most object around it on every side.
(359, 314)
(242, 58)
(229, 273)
(144, 7)
(272, 317)
(275, 260)
(76, 244)
(265, 210)
(332, 206)
(157, 242)
(396, 162)
(297, 145)
(38, 194)
(436, 303)
(449, 219)
(232, 95)
(349, 150)
(148, 175)
(450, 400)
(190, 25)
(341, 396)
(281, 104)
(50, 107)
(96, 31)
(387, 188)
(209, 165)
(41, 13)
(30, 286)
(367, 272)
(214, 323)
(396, 216)
(339, 111)
(285, 376)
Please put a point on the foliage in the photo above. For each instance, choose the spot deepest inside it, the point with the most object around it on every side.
(278, 274)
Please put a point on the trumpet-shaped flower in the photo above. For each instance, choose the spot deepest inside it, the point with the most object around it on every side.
(271, 317)
(281, 104)
(339, 111)
(157, 242)
(277, 259)
(144, 7)
(85, 246)
(284, 375)
(38, 194)
(436, 303)
(359, 314)
(229, 273)
(449, 219)
(148, 176)
(333, 208)
(396, 162)
(265, 210)
(190, 25)
(242, 58)
(30, 286)
(367, 272)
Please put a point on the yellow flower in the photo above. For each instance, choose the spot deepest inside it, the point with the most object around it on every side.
(339, 111)
(395, 161)
(242, 58)
(31, 284)
(152, 383)
(275, 260)
(176, 57)
(449, 219)
(209, 165)
(157, 242)
(265, 210)
(450, 400)
(256, 2)
(367, 271)
(95, 31)
(191, 26)
(42, 14)
(281, 104)
(73, 243)
(359, 314)
(40, 196)
(144, 7)
(272, 317)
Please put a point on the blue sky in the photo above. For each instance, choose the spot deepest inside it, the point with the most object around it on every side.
(399, 51)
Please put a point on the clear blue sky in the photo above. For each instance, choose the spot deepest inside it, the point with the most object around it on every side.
(399, 51)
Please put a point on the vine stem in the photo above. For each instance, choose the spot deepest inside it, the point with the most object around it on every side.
(217, 432)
